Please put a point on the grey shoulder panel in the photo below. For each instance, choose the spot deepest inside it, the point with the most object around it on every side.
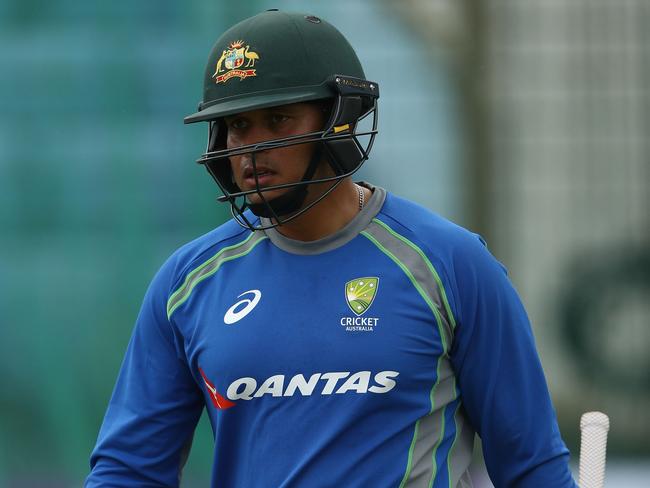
(420, 271)
(209, 267)
(431, 432)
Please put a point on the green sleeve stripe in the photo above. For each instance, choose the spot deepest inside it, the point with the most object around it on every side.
(417, 286)
(432, 269)
(453, 444)
(459, 456)
(434, 470)
(409, 461)
(188, 278)
(429, 431)
(435, 419)
(444, 391)
(415, 267)
(210, 267)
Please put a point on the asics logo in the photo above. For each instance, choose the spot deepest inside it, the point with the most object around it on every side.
(234, 315)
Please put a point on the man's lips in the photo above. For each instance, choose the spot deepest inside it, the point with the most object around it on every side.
(249, 172)
(264, 175)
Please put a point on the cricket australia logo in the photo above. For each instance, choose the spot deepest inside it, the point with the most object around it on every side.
(359, 295)
(232, 61)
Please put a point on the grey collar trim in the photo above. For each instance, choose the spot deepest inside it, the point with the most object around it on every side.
(350, 231)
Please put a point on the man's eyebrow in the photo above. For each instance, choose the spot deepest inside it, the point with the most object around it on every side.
(284, 108)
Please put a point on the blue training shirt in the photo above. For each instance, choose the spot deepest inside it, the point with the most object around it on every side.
(369, 358)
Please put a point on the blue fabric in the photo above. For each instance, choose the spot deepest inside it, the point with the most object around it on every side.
(305, 400)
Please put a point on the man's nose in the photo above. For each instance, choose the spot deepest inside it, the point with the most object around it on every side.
(254, 135)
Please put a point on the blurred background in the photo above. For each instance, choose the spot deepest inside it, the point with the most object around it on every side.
(527, 121)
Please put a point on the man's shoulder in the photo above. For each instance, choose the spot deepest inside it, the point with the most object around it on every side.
(224, 238)
(458, 256)
(224, 235)
(411, 219)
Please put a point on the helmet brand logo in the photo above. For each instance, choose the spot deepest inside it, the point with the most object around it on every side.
(231, 62)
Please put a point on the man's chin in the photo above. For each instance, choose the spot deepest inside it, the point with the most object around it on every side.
(262, 196)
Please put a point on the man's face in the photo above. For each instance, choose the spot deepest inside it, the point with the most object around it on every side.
(275, 166)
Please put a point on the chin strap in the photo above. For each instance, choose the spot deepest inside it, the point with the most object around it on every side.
(293, 199)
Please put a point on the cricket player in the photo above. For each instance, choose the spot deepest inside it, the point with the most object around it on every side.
(338, 335)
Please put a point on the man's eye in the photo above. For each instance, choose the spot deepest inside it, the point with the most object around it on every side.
(236, 124)
(278, 118)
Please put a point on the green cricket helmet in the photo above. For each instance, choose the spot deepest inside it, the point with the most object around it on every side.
(278, 58)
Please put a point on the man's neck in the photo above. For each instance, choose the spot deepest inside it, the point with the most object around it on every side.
(328, 216)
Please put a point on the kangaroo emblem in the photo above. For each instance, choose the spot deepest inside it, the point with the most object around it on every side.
(218, 70)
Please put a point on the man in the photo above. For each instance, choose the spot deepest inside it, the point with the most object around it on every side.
(337, 334)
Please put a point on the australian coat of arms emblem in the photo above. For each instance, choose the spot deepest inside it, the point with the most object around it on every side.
(236, 61)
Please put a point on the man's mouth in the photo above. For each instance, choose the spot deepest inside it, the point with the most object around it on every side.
(264, 175)
(250, 173)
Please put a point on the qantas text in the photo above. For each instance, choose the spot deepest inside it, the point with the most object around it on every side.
(318, 383)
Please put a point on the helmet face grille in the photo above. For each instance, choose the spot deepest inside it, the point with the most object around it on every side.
(342, 143)
(275, 59)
